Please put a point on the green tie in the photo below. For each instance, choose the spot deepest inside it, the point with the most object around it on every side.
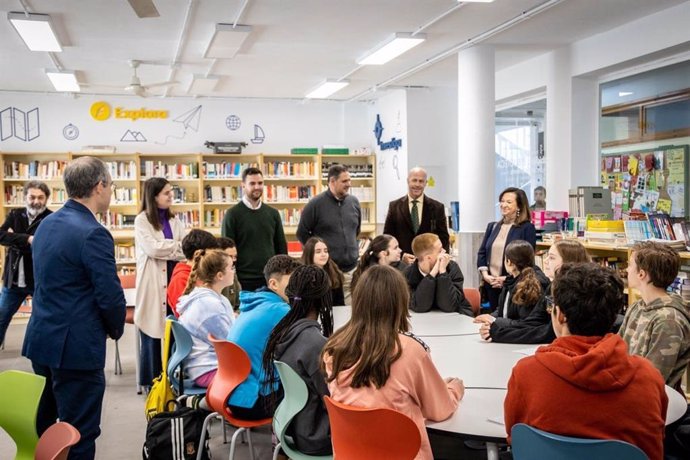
(415, 216)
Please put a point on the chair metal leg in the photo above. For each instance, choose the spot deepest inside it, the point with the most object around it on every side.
(251, 446)
(137, 355)
(225, 432)
(491, 451)
(233, 443)
(118, 362)
(276, 451)
(204, 428)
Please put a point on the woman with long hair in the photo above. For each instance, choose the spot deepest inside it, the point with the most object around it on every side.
(158, 237)
(205, 310)
(315, 252)
(383, 250)
(297, 341)
(373, 360)
(515, 224)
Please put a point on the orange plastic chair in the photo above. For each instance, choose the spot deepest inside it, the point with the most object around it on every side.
(383, 434)
(233, 368)
(474, 297)
(56, 442)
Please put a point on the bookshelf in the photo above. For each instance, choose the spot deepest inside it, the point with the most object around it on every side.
(205, 185)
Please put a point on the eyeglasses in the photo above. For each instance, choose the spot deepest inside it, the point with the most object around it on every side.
(112, 185)
(549, 304)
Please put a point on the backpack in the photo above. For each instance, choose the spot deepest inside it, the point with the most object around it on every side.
(161, 394)
(175, 435)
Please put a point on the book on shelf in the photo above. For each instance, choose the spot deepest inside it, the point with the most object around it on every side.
(357, 171)
(662, 228)
(189, 218)
(214, 217)
(637, 230)
(125, 195)
(222, 193)
(116, 220)
(225, 169)
(122, 170)
(52, 169)
(158, 168)
(289, 192)
(289, 169)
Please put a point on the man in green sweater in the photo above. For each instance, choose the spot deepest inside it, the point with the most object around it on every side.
(256, 229)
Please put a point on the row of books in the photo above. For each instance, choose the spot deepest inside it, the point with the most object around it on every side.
(289, 192)
(52, 169)
(222, 194)
(290, 216)
(14, 194)
(363, 193)
(124, 251)
(214, 217)
(662, 227)
(126, 270)
(122, 170)
(182, 195)
(681, 286)
(116, 220)
(158, 168)
(225, 169)
(357, 171)
(189, 218)
(124, 195)
(303, 169)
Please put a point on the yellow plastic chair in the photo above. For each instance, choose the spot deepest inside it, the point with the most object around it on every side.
(20, 393)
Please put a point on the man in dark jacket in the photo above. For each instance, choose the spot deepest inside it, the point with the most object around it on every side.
(435, 281)
(17, 233)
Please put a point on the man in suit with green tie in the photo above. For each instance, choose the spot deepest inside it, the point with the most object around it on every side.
(414, 214)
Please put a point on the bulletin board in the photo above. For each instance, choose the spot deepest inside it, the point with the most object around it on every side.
(651, 180)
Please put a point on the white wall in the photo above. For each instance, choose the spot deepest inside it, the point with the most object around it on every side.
(286, 124)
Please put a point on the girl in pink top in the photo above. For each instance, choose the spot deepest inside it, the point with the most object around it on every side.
(373, 360)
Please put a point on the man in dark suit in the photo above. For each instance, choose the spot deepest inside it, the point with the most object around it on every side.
(78, 303)
(414, 214)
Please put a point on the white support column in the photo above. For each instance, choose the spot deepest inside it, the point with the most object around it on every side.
(585, 132)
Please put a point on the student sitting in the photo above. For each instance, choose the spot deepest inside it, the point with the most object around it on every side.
(194, 241)
(231, 292)
(435, 281)
(373, 361)
(585, 384)
(315, 252)
(521, 312)
(298, 341)
(383, 250)
(260, 312)
(204, 310)
(657, 326)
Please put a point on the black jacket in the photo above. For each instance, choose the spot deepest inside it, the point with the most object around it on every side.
(444, 292)
(522, 323)
(399, 222)
(524, 231)
(17, 242)
(300, 348)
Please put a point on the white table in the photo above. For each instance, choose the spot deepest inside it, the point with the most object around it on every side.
(431, 324)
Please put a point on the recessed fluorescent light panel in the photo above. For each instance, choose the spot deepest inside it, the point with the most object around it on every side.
(327, 88)
(476, 1)
(63, 81)
(226, 41)
(202, 84)
(36, 31)
(625, 93)
(393, 47)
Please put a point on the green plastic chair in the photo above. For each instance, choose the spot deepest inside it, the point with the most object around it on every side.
(295, 399)
(20, 393)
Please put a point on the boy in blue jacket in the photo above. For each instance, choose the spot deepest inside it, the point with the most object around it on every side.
(260, 311)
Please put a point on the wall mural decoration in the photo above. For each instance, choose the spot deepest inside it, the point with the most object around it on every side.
(189, 120)
(233, 122)
(378, 133)
(70, 132)
(16, 123)
(133, 136)
(259, 135)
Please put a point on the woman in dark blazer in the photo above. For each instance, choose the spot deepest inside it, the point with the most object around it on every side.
(515, 224)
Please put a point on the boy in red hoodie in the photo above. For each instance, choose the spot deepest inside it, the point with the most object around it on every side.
(195, 239)
(585, 384)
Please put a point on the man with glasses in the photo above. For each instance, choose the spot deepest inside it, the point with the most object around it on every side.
(585, 384)
(78, 303)
(17, 234)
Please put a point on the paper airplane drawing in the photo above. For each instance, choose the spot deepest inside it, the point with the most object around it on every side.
(191, 118)
(259, 135)
(132, 136)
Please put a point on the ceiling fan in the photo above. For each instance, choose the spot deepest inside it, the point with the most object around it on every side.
(144, 8)
(135, 87)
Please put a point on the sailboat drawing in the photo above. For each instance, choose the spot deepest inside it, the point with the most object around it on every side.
(259, 135)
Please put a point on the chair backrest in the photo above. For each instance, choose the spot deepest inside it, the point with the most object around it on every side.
(296, 395)
(534, 444)
(20, 393)
(56, 442)
(128, 281)
(182, 347)
(233, 368)
(359, 432)
(474, 297)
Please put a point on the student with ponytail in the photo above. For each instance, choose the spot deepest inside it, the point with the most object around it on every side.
(203, 310)
(315, 252)
(383, 250)
(521, 312)
(298, 341)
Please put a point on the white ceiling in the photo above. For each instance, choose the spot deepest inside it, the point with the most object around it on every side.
(295, 44)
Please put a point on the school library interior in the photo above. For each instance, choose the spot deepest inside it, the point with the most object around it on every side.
(189, 185)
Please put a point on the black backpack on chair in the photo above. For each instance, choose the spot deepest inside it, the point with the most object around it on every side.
(175, 435)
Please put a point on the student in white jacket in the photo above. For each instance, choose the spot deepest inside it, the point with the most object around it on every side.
(158, 237)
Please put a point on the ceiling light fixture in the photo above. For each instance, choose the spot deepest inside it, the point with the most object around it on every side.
(203, 84)
(64, 80)
(327, 88)
(36, 31)
(625, 93)
(226, 41)
(476, 1)
(394, 46)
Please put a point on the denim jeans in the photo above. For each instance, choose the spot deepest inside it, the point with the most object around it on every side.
(10, 301)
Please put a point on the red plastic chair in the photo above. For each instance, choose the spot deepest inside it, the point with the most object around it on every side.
(383, 434)
(57, 441)
(233, 369)
(474, 297)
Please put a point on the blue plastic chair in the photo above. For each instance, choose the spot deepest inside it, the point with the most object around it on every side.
(532, 444)
(296, 395)
(181, 349)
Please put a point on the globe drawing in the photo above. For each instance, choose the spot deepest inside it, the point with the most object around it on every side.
(233, 122)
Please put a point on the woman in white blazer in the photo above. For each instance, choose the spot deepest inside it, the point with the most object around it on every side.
(158, 237)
